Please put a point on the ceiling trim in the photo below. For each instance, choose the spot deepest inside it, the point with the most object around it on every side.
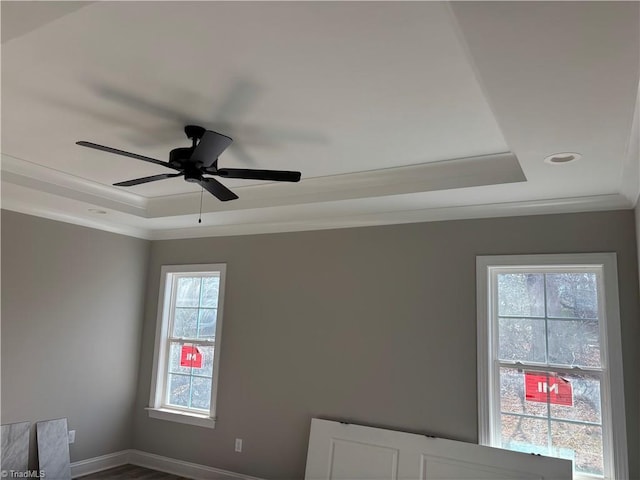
(535, 207)
(448, 174)
(426, 177)
(630, 178)
(29, 208)
(31, 175)
(57, 196)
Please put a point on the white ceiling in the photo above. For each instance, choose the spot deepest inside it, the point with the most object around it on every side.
(393, 111)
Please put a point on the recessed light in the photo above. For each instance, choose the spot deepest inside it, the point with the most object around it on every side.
(562, 158)
(97, 211)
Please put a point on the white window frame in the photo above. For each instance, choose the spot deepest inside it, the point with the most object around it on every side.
(157, 408)
(612, 389)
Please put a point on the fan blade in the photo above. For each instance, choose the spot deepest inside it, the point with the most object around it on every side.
(153, 178)
(251, 174)
(210, 147)
(126, 154)
(217, 189)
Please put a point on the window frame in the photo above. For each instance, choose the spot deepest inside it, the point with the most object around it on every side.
(157, 408)
(612, 388)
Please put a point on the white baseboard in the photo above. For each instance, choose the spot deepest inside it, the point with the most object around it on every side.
(154, 462)
(98, 464)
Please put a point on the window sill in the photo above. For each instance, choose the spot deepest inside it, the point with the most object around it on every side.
(181, 417)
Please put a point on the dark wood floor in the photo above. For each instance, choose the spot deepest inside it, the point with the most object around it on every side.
(129, 472)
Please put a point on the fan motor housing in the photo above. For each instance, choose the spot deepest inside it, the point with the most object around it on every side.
(178, 156)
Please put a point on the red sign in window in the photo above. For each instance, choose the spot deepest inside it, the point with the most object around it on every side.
(190, 357)
(548, 388)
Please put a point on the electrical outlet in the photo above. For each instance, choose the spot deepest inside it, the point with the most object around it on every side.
(72, 436)
(238, 444)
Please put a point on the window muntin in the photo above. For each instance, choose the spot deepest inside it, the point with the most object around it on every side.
(550, 323)
(193, 313)
(559, 319)
(187, 343)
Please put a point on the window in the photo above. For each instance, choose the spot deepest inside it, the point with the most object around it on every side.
(187, 352)
(549, 361)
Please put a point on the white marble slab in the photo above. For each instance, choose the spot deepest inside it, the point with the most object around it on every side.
(15, 447)
(53, 449)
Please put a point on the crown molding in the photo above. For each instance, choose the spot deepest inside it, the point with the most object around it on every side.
(508, 209)
(448, 174)
(46, 205)
(148, 231)
(313, 204)
(425, 177)
(630, 179)
(37, 177)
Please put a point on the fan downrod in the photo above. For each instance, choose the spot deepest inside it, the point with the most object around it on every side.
(194, 132)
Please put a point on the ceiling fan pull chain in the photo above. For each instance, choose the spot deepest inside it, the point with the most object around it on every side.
(201, 192)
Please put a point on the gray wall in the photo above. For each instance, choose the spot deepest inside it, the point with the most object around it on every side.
(637, 212)
(374, 325)
(72, 308)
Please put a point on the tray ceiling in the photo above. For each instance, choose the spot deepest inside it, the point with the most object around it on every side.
(394, 112)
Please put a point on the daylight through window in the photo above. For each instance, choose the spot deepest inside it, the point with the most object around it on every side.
(186, 360)
(547, 362)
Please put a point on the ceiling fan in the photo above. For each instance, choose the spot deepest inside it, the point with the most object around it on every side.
(199, 160)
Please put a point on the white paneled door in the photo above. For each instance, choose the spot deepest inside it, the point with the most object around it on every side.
(339, 451)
